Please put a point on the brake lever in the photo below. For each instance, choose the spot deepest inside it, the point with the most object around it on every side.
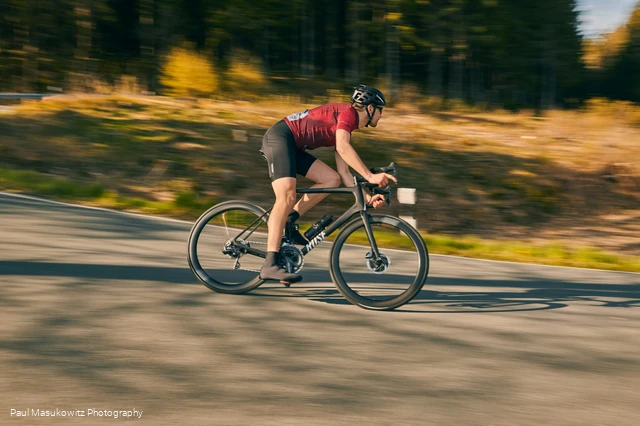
(387, 199)
(386, 191)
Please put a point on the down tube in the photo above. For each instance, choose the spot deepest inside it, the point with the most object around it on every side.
(333, 226)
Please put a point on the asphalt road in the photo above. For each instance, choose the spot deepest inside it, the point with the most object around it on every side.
(100, 312)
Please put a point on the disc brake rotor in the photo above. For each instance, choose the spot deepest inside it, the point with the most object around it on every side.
(379, 265)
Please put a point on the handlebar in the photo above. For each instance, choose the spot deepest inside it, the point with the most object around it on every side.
(375, 189)
(391, 169)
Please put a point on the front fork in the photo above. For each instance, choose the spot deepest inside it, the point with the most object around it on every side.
(372, 241)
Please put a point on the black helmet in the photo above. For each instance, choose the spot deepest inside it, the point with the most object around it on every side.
(367, 95)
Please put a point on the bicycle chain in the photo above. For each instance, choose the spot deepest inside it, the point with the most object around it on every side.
(245, 269)
(235, 268)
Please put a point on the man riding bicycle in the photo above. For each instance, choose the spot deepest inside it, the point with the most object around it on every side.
(285, 146)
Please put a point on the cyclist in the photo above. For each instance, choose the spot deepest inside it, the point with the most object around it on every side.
(285, 146)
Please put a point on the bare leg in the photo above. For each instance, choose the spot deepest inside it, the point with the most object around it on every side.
(285, 190)
(325, 177)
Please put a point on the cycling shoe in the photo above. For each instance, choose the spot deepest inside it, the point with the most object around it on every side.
(276, 273)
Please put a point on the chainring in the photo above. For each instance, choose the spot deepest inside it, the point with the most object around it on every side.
(291, 258)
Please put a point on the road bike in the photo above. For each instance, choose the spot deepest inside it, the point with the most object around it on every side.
(377, 261)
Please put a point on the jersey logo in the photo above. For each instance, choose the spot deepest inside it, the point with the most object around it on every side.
(298, 115)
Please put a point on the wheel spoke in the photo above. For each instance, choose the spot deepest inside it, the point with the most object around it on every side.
(224, 219)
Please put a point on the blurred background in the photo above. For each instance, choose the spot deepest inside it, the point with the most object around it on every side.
(515, 121)
(507, 53)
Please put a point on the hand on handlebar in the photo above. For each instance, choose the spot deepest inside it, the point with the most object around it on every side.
(381, 179)
(376, 201)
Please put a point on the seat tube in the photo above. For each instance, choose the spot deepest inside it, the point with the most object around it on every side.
(367, 227)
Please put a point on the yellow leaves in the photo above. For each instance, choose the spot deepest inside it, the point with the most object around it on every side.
(601, 53)
(188, 73)
(524, 173)
(245, 74)
(592, 53)
(393, 17)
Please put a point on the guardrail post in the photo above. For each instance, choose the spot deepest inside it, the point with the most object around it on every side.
(408, 196)
(37, 96)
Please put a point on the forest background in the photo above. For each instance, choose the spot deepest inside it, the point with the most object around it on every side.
(519, 132)
(502, 53)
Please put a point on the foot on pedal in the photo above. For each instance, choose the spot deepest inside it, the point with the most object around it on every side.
(275, 273)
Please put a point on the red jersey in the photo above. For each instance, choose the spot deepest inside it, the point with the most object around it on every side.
(315, 128)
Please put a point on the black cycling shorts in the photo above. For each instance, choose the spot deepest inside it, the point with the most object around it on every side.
(283, 156)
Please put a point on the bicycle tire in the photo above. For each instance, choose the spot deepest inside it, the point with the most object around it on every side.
(393, 302)
(247, 281)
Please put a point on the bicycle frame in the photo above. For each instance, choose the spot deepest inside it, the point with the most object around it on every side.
(358, 207)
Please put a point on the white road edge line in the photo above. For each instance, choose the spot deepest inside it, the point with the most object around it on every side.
(104, 209)
(30, 197)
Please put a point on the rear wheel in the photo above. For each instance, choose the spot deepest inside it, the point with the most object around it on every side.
(384, 282)
(227, 245)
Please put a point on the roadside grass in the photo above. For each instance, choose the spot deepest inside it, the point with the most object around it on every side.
(46, 185)
(484, 174)
(186, 204)
(189, 205)
(554, 253)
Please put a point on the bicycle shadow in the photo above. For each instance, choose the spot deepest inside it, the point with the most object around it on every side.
(439, 295)
(97, 271)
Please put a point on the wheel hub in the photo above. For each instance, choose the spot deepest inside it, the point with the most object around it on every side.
(231, 250)
(378, 265)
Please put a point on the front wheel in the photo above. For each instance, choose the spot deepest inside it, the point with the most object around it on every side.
(386, 281)
(227, 246)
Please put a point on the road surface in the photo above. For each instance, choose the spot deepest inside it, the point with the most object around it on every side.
(101, 315)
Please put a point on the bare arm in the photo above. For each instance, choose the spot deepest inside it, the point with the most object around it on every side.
(348, 155)
(343, 170)
(347, 180)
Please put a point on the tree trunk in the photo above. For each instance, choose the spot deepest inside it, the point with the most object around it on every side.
(82, 11)
(307, 41)
(478, 91)
(266, 67)
(311, 41)
(392, 50)
(548, 73)
(355, 43)
(331, 39)
(435, 65)
(457, 64)
(147, 42)
(22, 36)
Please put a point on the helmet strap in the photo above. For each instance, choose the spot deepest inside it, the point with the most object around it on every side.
(369, 114)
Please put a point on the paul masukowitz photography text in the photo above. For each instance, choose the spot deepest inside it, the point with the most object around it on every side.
(86, 412)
